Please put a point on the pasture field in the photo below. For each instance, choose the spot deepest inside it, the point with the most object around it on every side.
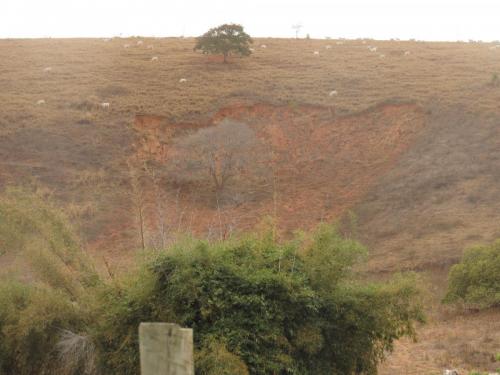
(401, 145)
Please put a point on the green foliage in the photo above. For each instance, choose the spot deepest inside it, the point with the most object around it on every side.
(33, 316)
(262, 304)
(475, 281)
(214, 359)
(225, 39)
(31, 320)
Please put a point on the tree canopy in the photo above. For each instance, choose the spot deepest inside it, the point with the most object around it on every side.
(225, 39)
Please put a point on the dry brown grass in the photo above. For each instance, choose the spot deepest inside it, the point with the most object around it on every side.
(424, 180)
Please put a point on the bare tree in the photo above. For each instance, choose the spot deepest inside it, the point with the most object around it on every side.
(218, 155)
(138, 198)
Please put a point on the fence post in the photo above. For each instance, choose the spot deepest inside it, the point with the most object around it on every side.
(166, 349)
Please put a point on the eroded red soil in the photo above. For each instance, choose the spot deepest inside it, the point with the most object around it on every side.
(323, 164)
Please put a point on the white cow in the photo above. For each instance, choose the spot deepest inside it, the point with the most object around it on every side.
(40, 102)
(263, 46)
(382, 56)
(316, 53)
(333, 93)
(150, 46)
(182, 80)
(328, 46)
(126, 45)
(407, 53)
(139, 42)
(47, 69)
(104, 105)
(372, 49)
(154, 58)
(450, 372)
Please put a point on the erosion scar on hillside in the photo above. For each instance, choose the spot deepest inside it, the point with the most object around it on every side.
(318, 166)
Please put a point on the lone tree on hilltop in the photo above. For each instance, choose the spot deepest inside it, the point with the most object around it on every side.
(225, 39)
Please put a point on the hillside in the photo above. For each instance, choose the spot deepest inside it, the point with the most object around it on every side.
(410, 143)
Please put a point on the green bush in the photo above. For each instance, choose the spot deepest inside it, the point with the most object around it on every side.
(263, 304)
(475, 281)
(34, 316)
(31, 321)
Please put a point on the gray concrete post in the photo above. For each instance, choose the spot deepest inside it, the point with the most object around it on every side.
(166, 349)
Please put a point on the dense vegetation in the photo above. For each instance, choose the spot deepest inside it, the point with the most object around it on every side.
(475, 281)
(257, 306)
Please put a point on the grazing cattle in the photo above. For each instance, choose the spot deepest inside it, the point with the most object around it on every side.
(407, 53)
(382, 56)
(450, 372)
(182, 80)
(263, 46)
(363, 42)
(316, 53)
(333, 93)
(126, 45)
(139, 42)
(252, 49)
(105, 105)
(47, 69)
(150, 46)
(40, 102)
(154, 58)
(328, 46)
(372, 49)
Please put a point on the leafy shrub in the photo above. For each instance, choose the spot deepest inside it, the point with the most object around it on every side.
(214, 359)
(33, 317)
(476, 279)
(260, 303)
(31, 320)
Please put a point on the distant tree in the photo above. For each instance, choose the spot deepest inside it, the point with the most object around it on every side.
(225, 39)
(218, 154)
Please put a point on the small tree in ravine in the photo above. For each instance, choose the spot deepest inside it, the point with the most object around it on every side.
(225, 40)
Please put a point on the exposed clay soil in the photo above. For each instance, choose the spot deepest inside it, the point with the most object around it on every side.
(324, 164)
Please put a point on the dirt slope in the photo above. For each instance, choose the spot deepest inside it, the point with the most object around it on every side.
(442, 196)
(323, 164)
